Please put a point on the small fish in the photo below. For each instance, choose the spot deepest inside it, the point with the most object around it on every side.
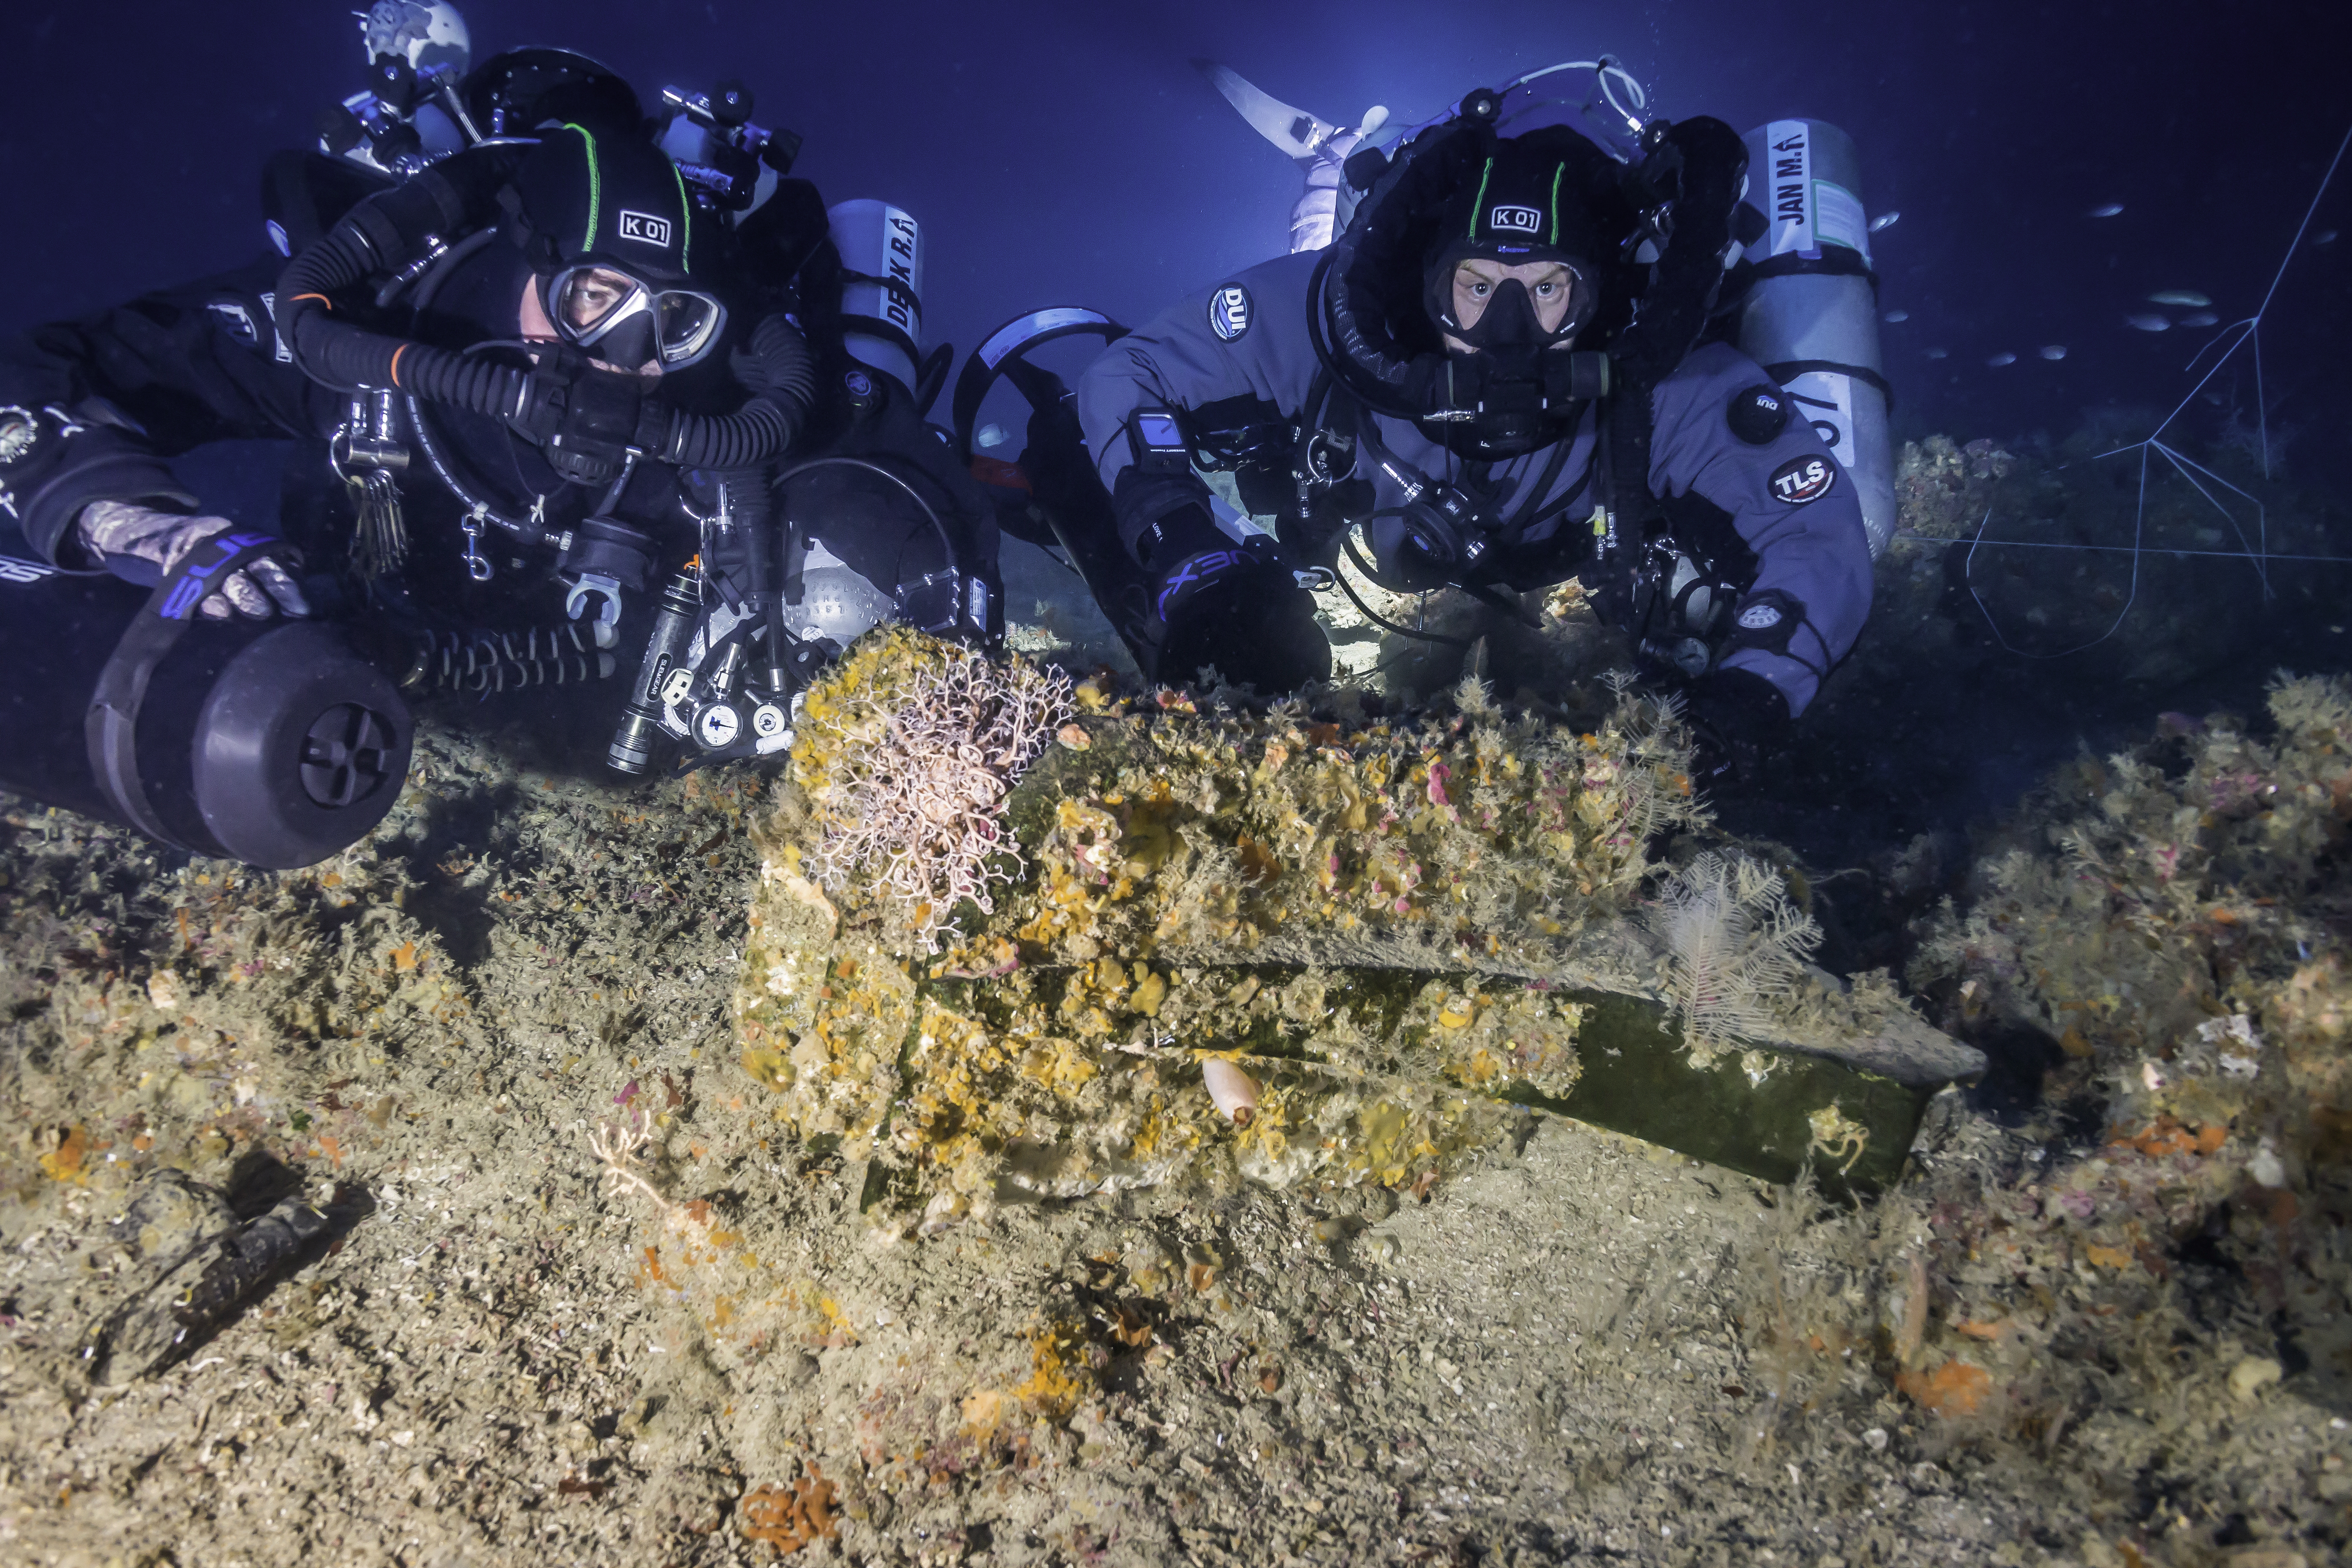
(1885, 220)
(1896, 316)
(2325, 236)
(2002, 359)
(2149, 322)
(2053, 351)
(2188, 297)
(2107, 209)
(1935, 353)
(2201, 319)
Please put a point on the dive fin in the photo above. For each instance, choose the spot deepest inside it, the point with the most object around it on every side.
(1299, 134)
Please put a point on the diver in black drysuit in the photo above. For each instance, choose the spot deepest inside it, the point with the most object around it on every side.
(1452, 406)
(527, 384)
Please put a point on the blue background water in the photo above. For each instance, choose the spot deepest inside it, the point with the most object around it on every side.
(1069, 152)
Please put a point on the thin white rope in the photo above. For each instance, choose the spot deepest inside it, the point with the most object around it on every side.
(2261, 572)
(2151, 550)
(2258, 551)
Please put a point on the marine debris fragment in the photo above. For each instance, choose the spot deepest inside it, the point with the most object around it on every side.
(1265, 946)
(182, 1305)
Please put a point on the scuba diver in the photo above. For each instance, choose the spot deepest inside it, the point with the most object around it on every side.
(1497, 375)
(585, 382)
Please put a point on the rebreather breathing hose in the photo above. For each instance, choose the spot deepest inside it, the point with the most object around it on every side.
(346, 356)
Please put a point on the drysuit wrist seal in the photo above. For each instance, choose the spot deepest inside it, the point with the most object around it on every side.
(1764, 622)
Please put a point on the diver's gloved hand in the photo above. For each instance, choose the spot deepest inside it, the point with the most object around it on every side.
(1163, 516)
(142, 545)
(1738, 722)
(1240, 609)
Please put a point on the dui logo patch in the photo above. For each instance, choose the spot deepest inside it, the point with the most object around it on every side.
(1229, 312)
(1757, 415)
(1801, 480)
(645, 228)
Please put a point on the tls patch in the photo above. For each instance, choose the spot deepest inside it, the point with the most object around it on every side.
(1802, 479)
(1229, 312)
(1757, 415)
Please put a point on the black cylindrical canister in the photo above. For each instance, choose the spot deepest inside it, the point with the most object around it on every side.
(272, 742)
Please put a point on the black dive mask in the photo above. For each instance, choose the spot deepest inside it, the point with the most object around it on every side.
(627, 322)
(1508, 322)
(1512, 392)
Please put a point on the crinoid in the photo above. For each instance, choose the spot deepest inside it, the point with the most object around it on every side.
(916, 810)
(1735, 944)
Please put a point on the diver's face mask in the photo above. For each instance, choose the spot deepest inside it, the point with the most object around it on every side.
(1515, 392)
(1490, 309)
(629, 323)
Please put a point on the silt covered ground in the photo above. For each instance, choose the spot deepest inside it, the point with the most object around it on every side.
(588, 1293)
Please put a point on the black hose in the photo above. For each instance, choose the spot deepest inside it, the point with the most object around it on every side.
(1365, 567)
(376, 236)
(443, 470)
(766, 425)
(955, 557)
(420, 421)
(748, 504)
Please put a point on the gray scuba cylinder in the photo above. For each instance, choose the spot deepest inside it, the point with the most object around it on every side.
(1811, 318)
(881, 286)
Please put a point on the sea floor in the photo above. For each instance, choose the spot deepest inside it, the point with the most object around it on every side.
(510, 1347)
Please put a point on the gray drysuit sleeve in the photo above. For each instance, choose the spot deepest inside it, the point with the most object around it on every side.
(1791, 502)
(1246, 337)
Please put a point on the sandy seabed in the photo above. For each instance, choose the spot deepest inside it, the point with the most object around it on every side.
(1576, 1346)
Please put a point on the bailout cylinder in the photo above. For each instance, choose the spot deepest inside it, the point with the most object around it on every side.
(881, 286)
(1811, 318)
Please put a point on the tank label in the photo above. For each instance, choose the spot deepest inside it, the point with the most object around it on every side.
(1788, 187)
(898, 304)
(1801, 480)
(1825, 400)
(1229, 312)
(1837, 217)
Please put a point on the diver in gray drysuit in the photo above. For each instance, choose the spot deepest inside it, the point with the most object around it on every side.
(1475, 443)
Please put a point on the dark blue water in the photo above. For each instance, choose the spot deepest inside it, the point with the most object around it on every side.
(1068, 152)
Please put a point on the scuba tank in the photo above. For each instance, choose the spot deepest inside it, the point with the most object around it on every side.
(1810, 314)
(272, 742)
(881, 287)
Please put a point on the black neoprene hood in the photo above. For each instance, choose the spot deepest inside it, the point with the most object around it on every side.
(1529, 199)
(616, 199)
